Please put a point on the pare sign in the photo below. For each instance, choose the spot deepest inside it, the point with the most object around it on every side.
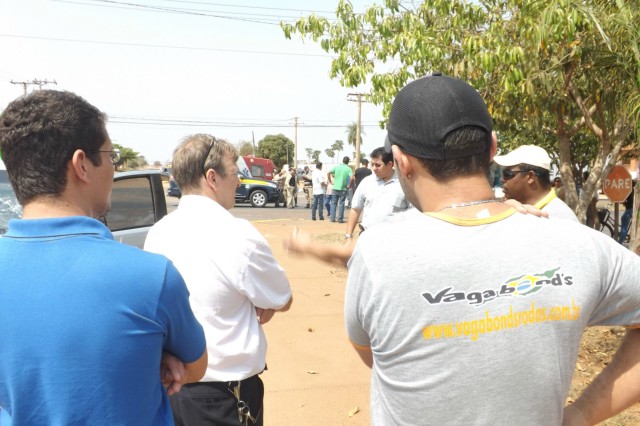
(618, 184)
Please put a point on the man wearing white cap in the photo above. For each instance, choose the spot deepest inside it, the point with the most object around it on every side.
(525, 178)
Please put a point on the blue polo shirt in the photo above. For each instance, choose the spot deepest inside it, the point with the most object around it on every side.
(83, 324)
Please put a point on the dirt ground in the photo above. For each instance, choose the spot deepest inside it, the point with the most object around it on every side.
(314, 376)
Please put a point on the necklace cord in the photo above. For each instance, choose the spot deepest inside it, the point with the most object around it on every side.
(470, 203)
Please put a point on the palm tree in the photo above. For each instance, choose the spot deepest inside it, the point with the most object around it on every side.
(352, 129)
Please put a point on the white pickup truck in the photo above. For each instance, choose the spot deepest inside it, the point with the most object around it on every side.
(137, 202)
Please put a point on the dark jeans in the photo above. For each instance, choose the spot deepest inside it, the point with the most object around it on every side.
(327, 203)
(211, 403)
(625, 222)
(317, 205)
(339, 196)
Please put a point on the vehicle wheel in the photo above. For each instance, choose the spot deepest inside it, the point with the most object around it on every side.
(606, 229)
(258, 198)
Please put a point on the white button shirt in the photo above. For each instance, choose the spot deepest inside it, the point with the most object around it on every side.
(229, 270)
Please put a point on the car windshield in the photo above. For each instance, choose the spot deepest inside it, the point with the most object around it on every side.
(9, 206)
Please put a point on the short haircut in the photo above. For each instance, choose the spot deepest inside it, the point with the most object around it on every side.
(318, 165)
(40, 132)
(197, 154)
(383, 154)
(364, 161)
(460, 140)
(345, 160)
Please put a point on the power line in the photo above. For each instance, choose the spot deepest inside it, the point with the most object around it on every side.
(257, 18)
(250, 7)
(162, 46)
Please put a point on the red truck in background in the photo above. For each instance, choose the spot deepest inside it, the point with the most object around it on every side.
(259, 167)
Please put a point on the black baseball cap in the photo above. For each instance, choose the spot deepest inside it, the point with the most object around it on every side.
(426, 110)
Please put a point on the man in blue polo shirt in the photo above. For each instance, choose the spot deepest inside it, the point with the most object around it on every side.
(91, 328)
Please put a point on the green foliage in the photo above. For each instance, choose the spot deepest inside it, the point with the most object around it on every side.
(278, 148)
(128, 158)
(352, 130)
(563, 74)
(315, 156)
(245, 148)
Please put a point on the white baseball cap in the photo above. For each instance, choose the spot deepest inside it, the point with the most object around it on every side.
(526, 154)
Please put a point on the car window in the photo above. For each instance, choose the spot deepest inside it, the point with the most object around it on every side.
(257, 171)
(131, 204)
(9, 206)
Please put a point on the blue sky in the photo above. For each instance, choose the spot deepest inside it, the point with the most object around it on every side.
(183, 73)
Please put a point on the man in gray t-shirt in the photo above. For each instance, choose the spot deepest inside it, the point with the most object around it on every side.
(454, 336)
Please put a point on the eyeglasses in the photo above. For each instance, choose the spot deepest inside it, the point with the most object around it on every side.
(114, 155)
(510, 174)
(204, 162)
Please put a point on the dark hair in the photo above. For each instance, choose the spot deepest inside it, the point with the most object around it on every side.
(462, 139)
(364, 161)
(39, 134)
(382, 153)
(345, 160)
(318, 165)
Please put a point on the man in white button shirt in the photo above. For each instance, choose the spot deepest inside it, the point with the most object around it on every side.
(235, 284)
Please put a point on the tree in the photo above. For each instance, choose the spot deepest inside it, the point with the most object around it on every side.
(315, 156)
(278, 148)
(245, 148)
(352, 130)
(562, 73)
(128, 158)
(330, 153)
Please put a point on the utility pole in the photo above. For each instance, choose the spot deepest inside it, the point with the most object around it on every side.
(358, 98)
(253, 140)
(34, 82)
(295, 144)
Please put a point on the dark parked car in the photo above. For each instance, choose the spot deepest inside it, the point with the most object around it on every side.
(256, 191)
(137, 202)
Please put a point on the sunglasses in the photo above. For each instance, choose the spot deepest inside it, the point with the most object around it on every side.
(206, 157)
(510, 174)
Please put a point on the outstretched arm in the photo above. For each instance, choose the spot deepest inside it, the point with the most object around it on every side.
(300, 242)
(615, 389)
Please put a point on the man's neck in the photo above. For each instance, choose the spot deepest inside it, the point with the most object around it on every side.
(434, 196)
(534, 197)
(51, 207)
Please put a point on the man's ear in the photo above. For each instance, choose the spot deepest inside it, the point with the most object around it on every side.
(78, 165)
(494, 146)
(210, 179)
(403, 165)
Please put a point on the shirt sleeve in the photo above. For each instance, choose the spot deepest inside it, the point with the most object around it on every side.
(357, 202)
(356, 296)
(264, 281)
(619, 303)
(184, 336)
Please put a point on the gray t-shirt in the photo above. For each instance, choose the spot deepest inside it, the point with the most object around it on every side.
(479, 321)
(556, 208)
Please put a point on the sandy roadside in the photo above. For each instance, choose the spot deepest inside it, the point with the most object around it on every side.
(314, 377)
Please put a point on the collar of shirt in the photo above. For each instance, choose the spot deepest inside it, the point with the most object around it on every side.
(56, 227)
